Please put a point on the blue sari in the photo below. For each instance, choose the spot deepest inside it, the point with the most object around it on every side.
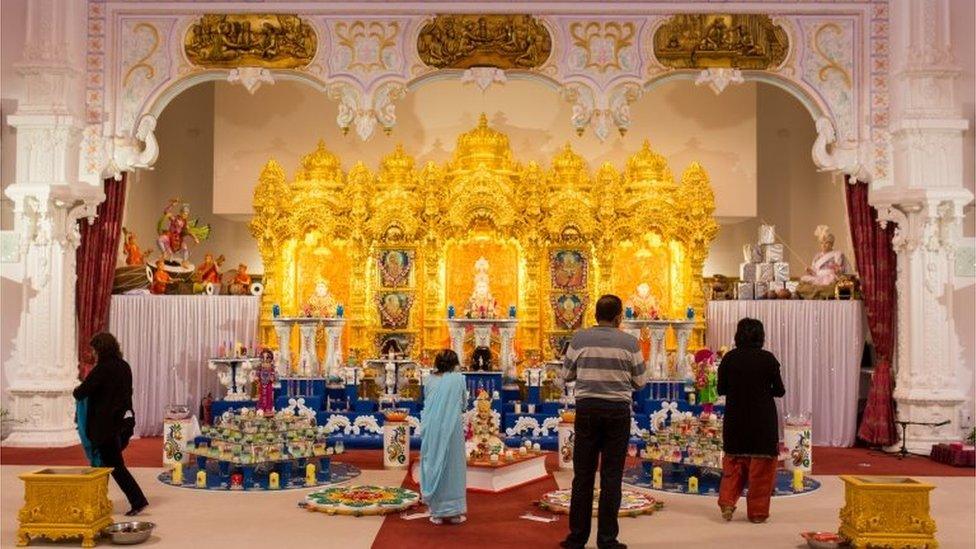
(81, 418)
(443, 463)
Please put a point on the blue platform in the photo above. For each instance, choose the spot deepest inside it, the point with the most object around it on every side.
(328, 402)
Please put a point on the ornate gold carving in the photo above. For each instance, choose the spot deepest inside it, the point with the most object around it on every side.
(141, 63)
(502, 41)
(887, 512)
(602, 43)
(630, 228)
(62, 503)
(250, 40)
(831, 64)
(738, 40)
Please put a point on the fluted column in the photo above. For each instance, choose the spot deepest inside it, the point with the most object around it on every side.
(926, 201)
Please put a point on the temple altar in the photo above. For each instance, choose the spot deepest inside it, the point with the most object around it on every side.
(397, 246)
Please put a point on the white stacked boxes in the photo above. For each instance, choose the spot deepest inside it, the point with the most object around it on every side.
(765, 267)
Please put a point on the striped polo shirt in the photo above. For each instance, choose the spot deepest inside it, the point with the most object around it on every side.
(606, 363)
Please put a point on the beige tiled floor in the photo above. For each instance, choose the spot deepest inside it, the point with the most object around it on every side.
(209, 520)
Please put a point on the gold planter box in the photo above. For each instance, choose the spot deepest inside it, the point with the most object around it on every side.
(887, 512)
(65, 502)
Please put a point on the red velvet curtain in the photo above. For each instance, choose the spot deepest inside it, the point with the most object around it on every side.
(876, 266)
(96, 260)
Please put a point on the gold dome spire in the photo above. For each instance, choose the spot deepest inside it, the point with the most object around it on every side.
(648, 168)
(482, 145)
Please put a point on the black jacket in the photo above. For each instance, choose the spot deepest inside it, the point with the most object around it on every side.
(749, 379)
(108, 388)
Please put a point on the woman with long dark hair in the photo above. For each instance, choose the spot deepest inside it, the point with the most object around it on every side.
(443, 463)
(749, 378)
(110, 419)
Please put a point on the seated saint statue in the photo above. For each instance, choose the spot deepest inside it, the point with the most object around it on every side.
(481, 304)
(828, 264)
(644, 304)
(320, 303)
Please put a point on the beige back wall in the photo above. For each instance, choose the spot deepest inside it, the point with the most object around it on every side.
(754, 140)
(682, 121)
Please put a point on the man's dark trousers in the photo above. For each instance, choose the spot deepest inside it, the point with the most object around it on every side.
(602, 435)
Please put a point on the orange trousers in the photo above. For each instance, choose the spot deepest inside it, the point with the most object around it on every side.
(761, 476)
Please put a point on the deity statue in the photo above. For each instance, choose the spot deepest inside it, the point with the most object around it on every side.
(828, 264)
(481, 359)
(174, 229)
(133, 253)
(481, 304)
(208, 270)
(484, 433)
(161, 278)
(643, 303)
(267, 377)
(321, 303)
(241, 284)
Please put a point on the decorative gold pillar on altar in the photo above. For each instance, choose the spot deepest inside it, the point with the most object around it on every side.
(398, 246)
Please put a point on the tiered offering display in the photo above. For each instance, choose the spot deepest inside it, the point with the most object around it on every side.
(765, 273)
(687, 440)
(247, 450)
(486, 447)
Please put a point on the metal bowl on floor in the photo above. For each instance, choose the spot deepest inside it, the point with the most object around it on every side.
(129, 533)
(823, 540)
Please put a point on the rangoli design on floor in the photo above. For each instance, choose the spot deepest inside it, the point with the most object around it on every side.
(632, 504)
(362, 500)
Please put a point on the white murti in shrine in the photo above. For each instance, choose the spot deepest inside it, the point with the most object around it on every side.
(320, 312)
(481, 320)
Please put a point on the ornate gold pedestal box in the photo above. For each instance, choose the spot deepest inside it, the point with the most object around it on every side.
(887, 512)
(65, 502)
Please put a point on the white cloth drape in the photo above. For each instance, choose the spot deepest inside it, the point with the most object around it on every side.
(160, 333)
(819, 346)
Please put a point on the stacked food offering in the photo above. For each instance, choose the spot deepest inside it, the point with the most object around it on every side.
(765, 273)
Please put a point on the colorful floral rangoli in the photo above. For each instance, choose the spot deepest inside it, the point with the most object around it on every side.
(361, 500)
(632, 504)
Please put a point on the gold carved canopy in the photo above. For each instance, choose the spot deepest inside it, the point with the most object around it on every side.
(398, 246)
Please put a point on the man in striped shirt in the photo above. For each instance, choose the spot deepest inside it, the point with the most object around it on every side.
(608, 366)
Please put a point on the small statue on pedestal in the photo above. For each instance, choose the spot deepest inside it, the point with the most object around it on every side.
(174, 229)
(706, 379)
(481, 359)
(827, 266)
(161, 278)
(133, 253)
(481, 304)
(643, 303)
(267, 377)
(321, 303)
(241, 284)
(484, 432)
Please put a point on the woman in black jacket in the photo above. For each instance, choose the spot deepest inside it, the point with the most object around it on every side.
(749, 378)
(108, 388)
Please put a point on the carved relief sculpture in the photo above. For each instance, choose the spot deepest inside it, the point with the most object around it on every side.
(740, 41)
(250, 40)
(501, 41)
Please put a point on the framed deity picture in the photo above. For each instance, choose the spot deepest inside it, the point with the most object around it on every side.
(568, 270)
(397, 343)
(394, 309)
(568, 310)
(395, 267)
(559, 343)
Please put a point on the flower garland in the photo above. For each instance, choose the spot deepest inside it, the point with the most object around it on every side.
(399, 319)
(394, 280)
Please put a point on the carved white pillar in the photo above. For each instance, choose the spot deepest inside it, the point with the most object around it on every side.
(926, 201)
(48, 201)
(283, 330)
(507, 359)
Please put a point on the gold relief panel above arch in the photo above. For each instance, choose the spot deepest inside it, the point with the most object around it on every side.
(268, 40)
(504, 41)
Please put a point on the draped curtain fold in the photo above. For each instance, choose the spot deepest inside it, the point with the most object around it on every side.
(876, 267)
(96, 259)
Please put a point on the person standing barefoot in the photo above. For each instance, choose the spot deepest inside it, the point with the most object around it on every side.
(443, 464)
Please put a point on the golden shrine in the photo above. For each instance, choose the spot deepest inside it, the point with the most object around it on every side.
(887, 512)
(399, 246)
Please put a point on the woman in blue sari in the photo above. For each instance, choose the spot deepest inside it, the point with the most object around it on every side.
(443, 463)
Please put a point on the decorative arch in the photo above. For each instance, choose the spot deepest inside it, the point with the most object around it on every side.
(827, 69)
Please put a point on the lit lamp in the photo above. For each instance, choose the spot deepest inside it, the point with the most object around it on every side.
(310, 479)
(201, 479)
(274, 481)
(692, 485)
(177, 474)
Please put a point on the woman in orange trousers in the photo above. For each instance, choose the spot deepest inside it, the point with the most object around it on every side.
(749, 378)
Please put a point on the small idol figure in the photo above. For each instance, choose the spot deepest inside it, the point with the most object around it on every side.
(267, 377)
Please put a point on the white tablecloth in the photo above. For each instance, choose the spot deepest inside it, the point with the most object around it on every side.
(158, 333)
(819, 346)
